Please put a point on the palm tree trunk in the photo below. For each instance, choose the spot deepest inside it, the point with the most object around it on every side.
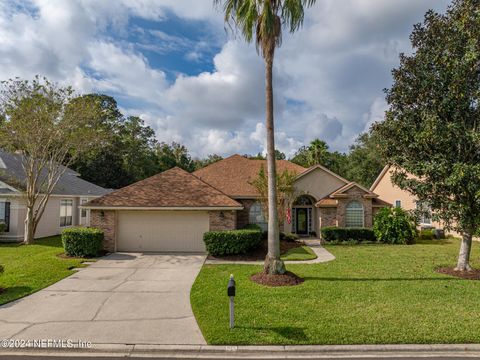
(463, 263)
(273, 264)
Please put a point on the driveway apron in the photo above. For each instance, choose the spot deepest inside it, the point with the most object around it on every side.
(124, 298)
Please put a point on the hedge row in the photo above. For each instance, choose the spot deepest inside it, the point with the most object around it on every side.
(82, 242)
(232, 242)
(338, 234)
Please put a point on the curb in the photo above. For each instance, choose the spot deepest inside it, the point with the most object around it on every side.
(257, 352)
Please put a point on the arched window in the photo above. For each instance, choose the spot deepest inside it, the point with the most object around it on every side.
(255, 215)
(354, 214)
(303, 200)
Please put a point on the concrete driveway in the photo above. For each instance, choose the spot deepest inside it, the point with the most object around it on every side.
(123, 298)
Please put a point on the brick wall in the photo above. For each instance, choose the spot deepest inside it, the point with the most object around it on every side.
(223, 220)
(328, 216)
(243, 215)
(355, 194)
(106, 221)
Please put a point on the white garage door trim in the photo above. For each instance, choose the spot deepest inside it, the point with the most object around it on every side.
(161, 231)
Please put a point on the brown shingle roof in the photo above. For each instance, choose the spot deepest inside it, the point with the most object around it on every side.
(171, 188)
(233, 175)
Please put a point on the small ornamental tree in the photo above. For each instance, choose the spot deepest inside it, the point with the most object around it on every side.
(286, 192)
(431, 132)
(49, 126)
(394, 226)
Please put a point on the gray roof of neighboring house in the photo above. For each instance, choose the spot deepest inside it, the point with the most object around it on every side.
(12, 173)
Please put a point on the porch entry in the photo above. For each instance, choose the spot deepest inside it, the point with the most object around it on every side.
(302, 216)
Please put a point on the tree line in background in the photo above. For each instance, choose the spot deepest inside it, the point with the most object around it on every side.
(131, 153)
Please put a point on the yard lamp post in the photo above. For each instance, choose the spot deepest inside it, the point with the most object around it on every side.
(231, 295)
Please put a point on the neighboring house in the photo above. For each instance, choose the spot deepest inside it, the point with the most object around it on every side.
(384, 187)
(62, 209)
(172, 210)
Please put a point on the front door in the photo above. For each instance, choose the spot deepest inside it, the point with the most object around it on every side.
(302, 221)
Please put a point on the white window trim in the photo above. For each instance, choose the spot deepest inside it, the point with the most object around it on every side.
(60, 217)
(400, 201)
(363, 214)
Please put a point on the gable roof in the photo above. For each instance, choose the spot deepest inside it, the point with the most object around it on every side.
(318, 166)
(342, 191)
(174, 188)
(379, 177)
(233, 175)
(331, 200)
(12, 174)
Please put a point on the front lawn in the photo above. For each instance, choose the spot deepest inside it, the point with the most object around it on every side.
(371, 294)
(299, 253)
(29, 268)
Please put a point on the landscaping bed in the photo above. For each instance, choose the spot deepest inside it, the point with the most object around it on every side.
(287, 279)
(371, 294)
(29, 268)
(259, 253)
(473, 274)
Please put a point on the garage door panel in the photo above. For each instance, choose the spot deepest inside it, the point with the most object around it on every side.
(176, 231)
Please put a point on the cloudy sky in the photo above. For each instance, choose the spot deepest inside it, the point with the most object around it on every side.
(172, 63)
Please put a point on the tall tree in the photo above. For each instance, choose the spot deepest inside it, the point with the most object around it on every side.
(431, 133)
(174, 154)
(127, 153)
(262, 21)
(210, 159)
(364, 160)
(50, 127)
(317, 153)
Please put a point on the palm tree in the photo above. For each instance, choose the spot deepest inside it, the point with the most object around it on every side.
(317, 152)
(263, 20)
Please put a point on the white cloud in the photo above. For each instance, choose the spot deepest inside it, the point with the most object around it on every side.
(328, 76)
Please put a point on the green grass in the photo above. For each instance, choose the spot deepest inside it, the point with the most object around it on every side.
(299, 253)
(29, 268)
(371, 294)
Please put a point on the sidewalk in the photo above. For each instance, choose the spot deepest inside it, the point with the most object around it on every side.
(257, 352)
(322, 256)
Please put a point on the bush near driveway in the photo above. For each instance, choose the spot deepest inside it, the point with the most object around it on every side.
(370, 294)
(232, 242)
(82, 242)
(333, 234)
(3, 226)
(394, 226)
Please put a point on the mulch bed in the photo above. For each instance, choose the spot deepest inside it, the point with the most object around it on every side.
(473, 274)
(258, 254)
(287, 279)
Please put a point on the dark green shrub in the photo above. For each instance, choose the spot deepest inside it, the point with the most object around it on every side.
(82, 242)
(333, 234)
(395, 226)
(232, 242)
(3, 227)
(253, 227)
(426, 234)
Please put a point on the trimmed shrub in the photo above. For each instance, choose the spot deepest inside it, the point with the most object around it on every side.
(232, 242)
(333, 234)
(395, 226)
(3, 226)
(427, 234)
(82, 242)
(253, 227)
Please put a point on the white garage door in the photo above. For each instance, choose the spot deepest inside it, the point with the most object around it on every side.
(161, 231)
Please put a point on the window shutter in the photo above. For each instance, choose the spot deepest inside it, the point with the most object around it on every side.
(7, 215)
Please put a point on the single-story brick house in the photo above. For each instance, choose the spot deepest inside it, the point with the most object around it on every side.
(172, 210)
